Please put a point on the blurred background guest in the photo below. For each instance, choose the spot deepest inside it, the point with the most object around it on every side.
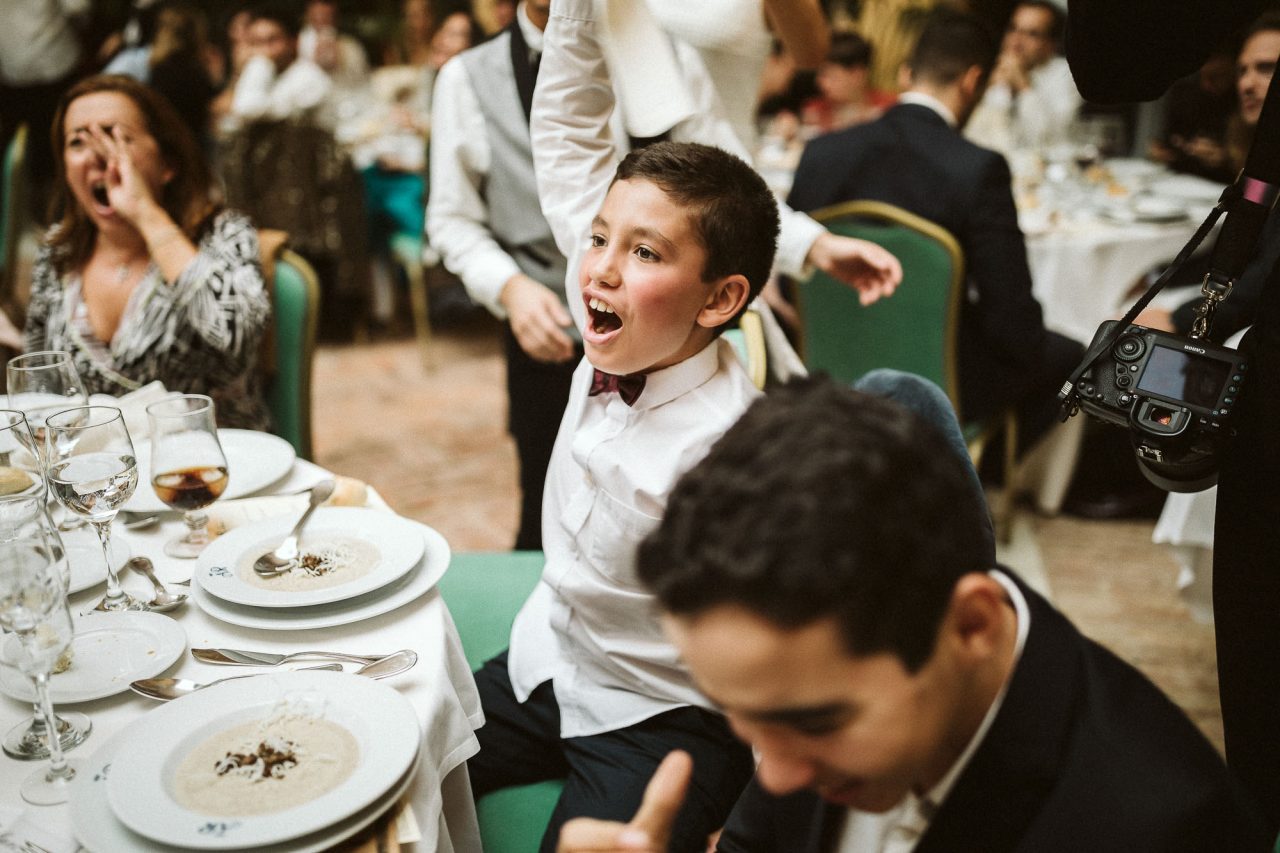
(144, 277)
(276, 82)
(339, 55)
(1198, 110)
(1031, 99)
(176, 62)
(39, 55)
(844, 79)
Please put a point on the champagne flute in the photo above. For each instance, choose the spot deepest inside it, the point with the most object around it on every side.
(188, 467)
(27, 516)
(33, 605)
(93, 471)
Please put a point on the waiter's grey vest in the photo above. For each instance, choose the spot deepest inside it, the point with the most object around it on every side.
(515, 217)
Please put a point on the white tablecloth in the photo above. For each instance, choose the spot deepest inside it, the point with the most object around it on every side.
(440, 687)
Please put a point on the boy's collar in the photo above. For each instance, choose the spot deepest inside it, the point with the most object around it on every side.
(663, 386)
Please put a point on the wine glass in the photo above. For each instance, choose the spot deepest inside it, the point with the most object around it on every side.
(33, 605)
(188, 467)
(26, 516)
(93, 471)
(42, 383)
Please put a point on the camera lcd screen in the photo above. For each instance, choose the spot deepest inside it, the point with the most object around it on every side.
(1178, 375)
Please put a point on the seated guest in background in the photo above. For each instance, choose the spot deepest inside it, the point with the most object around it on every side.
(144, 277)
(845, 82)
(914, 157)
(1198, 110)
(338, 55)
(175, 64)
(276, 83)
(1032, 99)
(484, 218)
(1255, 66)
(821, 572)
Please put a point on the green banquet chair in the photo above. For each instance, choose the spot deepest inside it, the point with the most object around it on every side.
(295, 301)
(484, 591)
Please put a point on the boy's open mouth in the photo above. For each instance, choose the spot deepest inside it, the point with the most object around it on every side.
(603, 317)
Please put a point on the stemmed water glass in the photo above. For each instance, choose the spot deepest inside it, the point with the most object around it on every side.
(92, 470)
(188, 467)
(42, 383)
(33, 605)
(22, 515)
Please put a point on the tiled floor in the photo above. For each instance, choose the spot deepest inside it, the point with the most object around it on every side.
(435, 445)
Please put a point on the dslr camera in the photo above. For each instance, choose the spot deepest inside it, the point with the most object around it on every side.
(1176, 396)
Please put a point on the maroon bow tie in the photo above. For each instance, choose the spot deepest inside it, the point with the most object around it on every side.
(628, 387)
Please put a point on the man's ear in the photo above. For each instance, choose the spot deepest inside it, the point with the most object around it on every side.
(905, 76)
(972, 83)
(975, 614)
(727, 298)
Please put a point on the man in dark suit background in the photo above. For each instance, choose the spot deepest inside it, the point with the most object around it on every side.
(822, 572)
(914, 157)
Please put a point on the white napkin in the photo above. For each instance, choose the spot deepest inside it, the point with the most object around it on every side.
(21, 831)
(134, 406)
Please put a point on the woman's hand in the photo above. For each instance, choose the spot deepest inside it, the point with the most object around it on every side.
(127, 189)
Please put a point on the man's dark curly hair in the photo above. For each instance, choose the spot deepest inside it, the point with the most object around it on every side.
(823, 502)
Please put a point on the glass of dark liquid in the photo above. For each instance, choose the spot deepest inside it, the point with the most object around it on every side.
(188, 467)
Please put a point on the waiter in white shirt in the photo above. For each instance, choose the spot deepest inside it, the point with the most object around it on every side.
(484, 218)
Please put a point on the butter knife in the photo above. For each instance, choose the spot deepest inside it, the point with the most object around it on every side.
(237, 657)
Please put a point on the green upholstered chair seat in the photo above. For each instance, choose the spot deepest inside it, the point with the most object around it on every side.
(484, 591)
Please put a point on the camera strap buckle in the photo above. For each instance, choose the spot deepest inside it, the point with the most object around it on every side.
(1214, 290)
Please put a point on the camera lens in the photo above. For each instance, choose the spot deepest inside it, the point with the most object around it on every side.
(1130, 348)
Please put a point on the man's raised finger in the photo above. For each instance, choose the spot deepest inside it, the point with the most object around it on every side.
(663, 797)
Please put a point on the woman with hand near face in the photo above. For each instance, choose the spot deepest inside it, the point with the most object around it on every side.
(144, 276)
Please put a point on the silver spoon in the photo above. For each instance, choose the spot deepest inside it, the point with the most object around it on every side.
(164, 600)
(282, 558)
(165, 689)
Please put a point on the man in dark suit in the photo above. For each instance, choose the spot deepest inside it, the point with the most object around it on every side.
(914, 157)
(822, 572)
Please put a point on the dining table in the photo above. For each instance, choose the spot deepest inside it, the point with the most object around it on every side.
(440, 688)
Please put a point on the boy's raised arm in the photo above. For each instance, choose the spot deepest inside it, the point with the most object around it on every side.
(574, 152)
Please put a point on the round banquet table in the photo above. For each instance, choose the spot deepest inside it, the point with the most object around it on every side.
(440, 688)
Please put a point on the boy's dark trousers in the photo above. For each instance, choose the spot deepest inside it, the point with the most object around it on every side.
(605, 775)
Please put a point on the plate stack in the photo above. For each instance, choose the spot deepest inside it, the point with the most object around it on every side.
(354, 564)
(293, 761)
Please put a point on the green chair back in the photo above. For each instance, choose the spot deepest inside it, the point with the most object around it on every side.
(296, 311)
(915, 330)
(484, 592)
(13, 207)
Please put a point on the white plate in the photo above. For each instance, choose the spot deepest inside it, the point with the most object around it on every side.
(1186, 188)
(96, 827)
(111, 650)
(409, 588)
(255, 460)
(396, 541)
(1123, 168)
(84, 557)
(383, 723)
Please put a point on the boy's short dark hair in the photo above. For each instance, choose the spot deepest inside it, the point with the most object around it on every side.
(849, 50)
(822, 502)
(281, 12)
(949, 45)
(734, 213)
